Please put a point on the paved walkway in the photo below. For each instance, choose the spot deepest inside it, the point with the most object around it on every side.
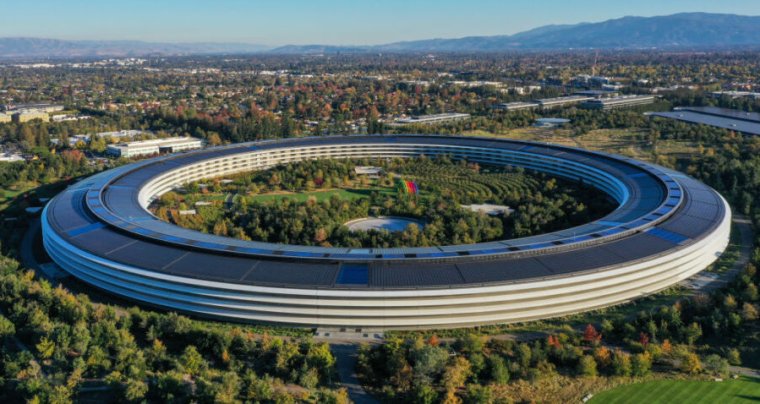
(744, 371)
(28, 260)
(345, 355)
(48, 270)
(711, 281)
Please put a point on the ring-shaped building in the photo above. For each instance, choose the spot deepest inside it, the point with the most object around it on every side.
(666, 227)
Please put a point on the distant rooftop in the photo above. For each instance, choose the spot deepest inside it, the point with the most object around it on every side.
(738, 125)
(725, 113)
(452, 116)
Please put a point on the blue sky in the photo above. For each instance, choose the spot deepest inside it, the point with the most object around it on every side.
(340, 22)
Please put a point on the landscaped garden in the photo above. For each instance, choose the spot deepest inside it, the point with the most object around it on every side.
(309, 203)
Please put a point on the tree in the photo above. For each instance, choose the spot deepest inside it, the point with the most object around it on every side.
(60, 395)
(749, 312)
(499, 371)
(7, 329)
(524, 356)
(692, 333)
(429, 363)
(716, 365)
(97, 144)
(591, 336)
(135, 390)
(425, 394)
(456, 374)
(641, 364)
(690, 363)
(643, 340)
(191, 361)
(256, 389)
(586, 366)
(621, 363)
(734, 357)
(171, 387)
(479, 394)
(214, 139)
(46, 348)
(603, 356)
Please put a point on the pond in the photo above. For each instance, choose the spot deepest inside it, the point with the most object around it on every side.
(389, 223)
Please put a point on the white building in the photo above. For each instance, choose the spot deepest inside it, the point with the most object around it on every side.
(515, 106)
(431, 119)
(562, 101)
(9, 157)
(154, 146)
(619, 102)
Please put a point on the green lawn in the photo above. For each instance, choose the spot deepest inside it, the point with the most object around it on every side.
(742, 390)
(349, 194)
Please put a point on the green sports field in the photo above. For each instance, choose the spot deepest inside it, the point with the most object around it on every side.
(742, 390)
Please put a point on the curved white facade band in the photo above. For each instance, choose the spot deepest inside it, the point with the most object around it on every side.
(667, 227)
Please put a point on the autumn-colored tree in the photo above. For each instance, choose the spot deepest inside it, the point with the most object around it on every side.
(690, 363)
(644, 339)
(434, 341)
(456, 374)
(321, 235)
(214, 139)
(603, 356)
(553, 341)
(591, 336)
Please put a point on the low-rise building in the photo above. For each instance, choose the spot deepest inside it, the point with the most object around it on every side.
(39, 107)
(515, 106)
(154, 146)
(562, 101)
(551, 122)
(735, 94)
(619, 102)
(730, 119)
(30, 115)
(11, 157)
(432, 119)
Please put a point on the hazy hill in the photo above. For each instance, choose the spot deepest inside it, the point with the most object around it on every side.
(54, 48)
(679, 31)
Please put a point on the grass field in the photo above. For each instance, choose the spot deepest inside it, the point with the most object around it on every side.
(627, 142)
(346, 194)
(742, 390)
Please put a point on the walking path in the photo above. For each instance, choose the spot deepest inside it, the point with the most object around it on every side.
(345, 355)
(707, 282)
(749, 372)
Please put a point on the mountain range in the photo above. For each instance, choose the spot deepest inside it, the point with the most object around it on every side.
(696, 31)
(56, 48)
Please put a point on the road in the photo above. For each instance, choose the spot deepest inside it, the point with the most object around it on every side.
(345, 356)
(28, 260)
